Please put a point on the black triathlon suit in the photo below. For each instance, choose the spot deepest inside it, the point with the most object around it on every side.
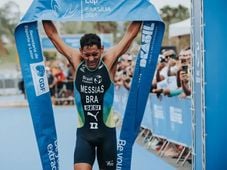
(96, 133)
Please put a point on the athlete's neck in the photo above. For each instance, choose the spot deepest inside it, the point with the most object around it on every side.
(93, 69)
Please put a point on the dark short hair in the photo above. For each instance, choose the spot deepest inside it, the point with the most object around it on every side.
(90, 40)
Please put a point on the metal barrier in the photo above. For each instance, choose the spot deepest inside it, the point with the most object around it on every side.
(169, 118)
(9, 84)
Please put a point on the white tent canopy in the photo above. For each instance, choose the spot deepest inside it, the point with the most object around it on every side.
(180, 28)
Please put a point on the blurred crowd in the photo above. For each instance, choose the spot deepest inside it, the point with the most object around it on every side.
(173, 73)
(60, 78)
(172, 76)
(124, 71)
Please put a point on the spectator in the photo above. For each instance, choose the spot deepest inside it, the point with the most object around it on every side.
(165, 73)
(52, 82)
(69, 80)
(172, 74)
(124, 71)
(21, 87)
(183, 76)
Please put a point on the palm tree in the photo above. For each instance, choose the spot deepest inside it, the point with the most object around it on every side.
(9, 18)
(174, 14)
(171, 15)
(182, 13)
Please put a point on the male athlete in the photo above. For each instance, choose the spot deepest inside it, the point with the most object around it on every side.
(94, 92)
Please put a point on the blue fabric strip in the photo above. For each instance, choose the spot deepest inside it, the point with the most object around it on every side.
(33, 70)
(152, 34)
(92, 10)
(37, 91)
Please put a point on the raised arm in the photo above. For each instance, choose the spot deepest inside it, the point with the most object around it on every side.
(71, 54)
(112, 54)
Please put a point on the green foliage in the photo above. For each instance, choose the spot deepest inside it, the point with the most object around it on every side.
(91, 27)
(76, 27)
(88, 27)
(174, 14)
(50, 55)
(10, 57)
(106, 27)
(9, 18)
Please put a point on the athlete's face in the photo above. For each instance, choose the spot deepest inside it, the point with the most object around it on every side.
(91, 55)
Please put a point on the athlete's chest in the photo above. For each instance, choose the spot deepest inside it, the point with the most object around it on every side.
(92, 82)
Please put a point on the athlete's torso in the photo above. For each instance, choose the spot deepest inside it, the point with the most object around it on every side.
(94, 92)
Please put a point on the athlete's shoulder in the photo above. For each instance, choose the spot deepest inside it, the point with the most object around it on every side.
(108, 59)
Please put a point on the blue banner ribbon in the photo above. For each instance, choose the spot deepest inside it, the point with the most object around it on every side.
(37, 91)
(152, 33)
(32, 65)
